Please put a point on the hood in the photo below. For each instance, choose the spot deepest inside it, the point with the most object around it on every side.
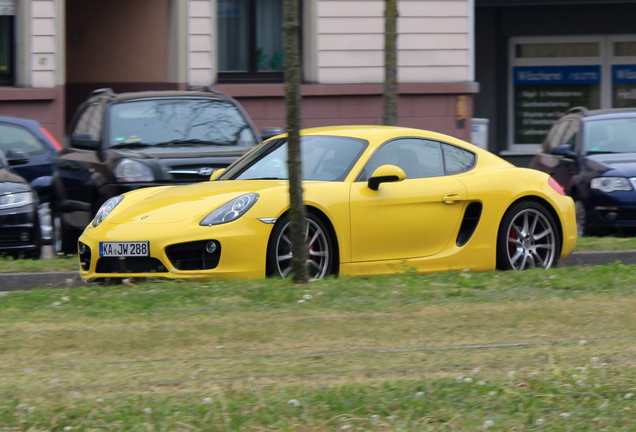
(11, 182)
(179, 203)
(618, 164)
(182, 151)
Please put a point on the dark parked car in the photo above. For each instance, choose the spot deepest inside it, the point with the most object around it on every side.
(120, 142)
(33, 138)
(19, 226)
(592, 153)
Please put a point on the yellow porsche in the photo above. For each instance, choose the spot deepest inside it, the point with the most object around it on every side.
(380, 200)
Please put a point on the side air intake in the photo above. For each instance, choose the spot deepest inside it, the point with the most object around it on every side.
(469, 223)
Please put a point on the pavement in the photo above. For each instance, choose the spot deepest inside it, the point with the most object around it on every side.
(26, 281)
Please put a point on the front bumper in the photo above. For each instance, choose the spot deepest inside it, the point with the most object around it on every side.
(19, 230)
(179, 251)
(617, 209)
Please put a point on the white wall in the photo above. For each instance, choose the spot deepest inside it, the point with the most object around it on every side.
(201, 25)
(43, 45)
(434, 41)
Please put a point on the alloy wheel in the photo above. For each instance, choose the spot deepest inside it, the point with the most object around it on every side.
(531, 240)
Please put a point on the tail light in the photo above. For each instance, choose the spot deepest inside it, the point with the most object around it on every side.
(556, 186)
(51, 138)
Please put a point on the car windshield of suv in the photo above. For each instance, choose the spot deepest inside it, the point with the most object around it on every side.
(184, 121)
(610, 135)
(325, 158)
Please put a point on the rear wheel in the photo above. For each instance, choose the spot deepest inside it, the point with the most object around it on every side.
(320, 257)
(528, 238)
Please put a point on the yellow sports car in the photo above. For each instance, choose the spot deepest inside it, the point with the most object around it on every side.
(380, 200)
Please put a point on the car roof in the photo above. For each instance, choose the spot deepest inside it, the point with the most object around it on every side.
(28, 123)
(120, 97)
(599, 114)
(368, 132)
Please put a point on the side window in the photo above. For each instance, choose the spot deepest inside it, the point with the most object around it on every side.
(570, 134)
(417, 157)
(17, 137)
(554, 136)
(90, 122)
(457, 160)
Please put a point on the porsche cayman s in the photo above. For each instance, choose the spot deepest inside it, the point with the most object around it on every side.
(379, 200)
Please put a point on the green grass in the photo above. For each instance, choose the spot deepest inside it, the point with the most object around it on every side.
(536, 350)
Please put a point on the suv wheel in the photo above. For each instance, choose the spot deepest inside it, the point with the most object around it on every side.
(62, 236)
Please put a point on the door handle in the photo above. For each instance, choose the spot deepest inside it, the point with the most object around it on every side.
(452, 198)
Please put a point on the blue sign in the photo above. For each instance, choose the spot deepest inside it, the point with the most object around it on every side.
(541, 75)
(624, 74)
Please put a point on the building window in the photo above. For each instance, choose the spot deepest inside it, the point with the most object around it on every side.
(250, 40)
(6, 50)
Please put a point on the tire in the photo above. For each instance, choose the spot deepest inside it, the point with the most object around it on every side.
(321, 256)
(528, 238)
(63, 238)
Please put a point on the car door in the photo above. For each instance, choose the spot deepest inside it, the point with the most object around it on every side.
(75, 166)
(416, 217)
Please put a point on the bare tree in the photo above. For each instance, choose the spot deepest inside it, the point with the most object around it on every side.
(297, 212)
(390, 99)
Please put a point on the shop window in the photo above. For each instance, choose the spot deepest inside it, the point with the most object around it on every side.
(6, 50)
(250, 40)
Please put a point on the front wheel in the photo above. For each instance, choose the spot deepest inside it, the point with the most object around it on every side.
(528, 237)
(320, 249)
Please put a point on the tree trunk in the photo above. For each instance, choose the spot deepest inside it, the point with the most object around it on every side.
(297, 210)
(390, 98)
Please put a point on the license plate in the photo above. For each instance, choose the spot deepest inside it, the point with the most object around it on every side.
(124, 249)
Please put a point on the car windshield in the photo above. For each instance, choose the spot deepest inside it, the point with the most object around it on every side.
(610, 136)
(184, 121)
(327, 158)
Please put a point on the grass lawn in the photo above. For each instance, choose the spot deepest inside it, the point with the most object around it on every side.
(535, 350)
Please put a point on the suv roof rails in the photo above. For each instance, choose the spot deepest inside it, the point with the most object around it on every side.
(102, 90)
(577, 109)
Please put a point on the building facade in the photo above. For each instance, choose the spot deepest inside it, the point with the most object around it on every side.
(535, 60)
(53, 53)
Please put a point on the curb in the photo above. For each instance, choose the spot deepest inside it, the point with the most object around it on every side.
(27, 281)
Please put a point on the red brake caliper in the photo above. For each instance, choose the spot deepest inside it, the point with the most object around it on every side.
(511, 235)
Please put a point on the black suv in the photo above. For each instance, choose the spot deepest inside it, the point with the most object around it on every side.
(119, 142)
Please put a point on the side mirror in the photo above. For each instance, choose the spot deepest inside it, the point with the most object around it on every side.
(17, 157)
(385, 174)
(217, 173)
(84, 141)
(564, 150)
(269, 132)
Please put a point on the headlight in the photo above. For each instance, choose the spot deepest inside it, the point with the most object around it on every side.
(106, 208)
(18, 199)
(611, 184)
(130, 170)
(230, 211)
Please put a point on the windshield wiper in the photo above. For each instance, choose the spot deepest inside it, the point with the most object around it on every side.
(131, 145)
(195, 142)
(265, 178)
